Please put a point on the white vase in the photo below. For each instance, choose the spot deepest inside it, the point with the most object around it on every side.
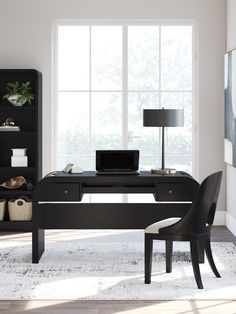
(13, 99)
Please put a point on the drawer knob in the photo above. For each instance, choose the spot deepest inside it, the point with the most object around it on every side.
(66, 191)
(170, 191)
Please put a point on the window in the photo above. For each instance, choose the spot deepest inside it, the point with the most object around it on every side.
(106, 74)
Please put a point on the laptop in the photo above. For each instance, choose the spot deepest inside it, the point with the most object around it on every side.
(117, 162)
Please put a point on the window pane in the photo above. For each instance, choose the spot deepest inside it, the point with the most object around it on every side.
(141, 198)
(148, 162)
(106, 198)
(179, 139)
(73, 57)
(147, 140)
(106, 57)
(73, 126)
(180, 163)
(106, 120)
(143, 58)
(176, 58)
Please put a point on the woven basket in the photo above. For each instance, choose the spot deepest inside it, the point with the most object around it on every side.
(20, 209)
(2, 209)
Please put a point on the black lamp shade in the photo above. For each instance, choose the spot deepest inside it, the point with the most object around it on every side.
(163, 117)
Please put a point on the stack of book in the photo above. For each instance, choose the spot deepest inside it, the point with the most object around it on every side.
(9, 128)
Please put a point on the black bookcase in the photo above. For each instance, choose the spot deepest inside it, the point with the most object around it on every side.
(29, 118)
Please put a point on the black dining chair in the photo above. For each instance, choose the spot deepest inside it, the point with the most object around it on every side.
(194, 227)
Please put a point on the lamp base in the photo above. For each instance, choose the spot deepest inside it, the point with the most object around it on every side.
(163, 171)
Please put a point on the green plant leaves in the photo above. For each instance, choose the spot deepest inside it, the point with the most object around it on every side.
(23, 89)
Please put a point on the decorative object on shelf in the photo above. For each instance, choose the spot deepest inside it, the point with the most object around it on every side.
(16, 183)
(19, 151)
(2, 208)
(19, 93)
(9, 125)
(20, 209)
(163, 118)
(19, 158)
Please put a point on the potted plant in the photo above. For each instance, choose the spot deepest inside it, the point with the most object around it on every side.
(19, 93)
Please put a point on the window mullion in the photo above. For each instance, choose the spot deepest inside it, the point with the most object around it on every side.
(160, 93)
(90, 105)
(90, 97)
(125, 94)
(125, 86)
(159, 68)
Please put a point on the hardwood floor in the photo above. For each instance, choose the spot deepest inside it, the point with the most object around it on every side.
(117, 307)
(222, 234)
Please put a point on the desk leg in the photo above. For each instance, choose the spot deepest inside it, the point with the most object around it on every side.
(37, 234)
(201, 245)
(38, 244)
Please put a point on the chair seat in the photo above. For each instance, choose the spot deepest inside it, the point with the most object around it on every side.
(154, 228)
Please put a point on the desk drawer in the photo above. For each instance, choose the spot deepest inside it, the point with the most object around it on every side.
(66, 192)
(170, 192)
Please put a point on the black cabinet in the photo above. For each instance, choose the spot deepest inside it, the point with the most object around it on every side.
(29, 118)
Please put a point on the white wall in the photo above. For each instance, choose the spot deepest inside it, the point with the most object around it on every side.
(25, 34)
(230, 171)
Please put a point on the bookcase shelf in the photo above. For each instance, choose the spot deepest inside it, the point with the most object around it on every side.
(15, 192)
(16, 133)
(14, 226)
(5, 107)
(29, 118)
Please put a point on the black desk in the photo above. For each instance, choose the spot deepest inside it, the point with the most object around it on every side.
(57, 202)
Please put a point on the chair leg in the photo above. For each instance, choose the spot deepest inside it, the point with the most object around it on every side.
(195, 263)
(169, 250)
(210, 258)
(201, 246)
(148, 258)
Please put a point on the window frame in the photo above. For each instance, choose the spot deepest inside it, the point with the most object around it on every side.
(125, 24)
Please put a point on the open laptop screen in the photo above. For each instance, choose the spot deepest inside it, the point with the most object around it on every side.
(117, 160)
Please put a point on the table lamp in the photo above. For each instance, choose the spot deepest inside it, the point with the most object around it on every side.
(163, 118)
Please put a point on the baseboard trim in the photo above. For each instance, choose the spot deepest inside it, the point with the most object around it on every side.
(219, 218)
(231, 223)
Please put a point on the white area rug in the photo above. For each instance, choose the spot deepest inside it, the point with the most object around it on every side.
(70, 270)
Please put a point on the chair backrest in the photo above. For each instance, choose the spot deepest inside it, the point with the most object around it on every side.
(200, 217)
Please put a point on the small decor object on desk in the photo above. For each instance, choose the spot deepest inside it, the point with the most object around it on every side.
(68, 168)
(19, 158)
(16, 183)
(20, 209)
(9, 125)
(161, 171)
(2, 209)
(19, 93)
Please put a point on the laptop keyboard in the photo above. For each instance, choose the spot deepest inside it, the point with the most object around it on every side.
(117, 172)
